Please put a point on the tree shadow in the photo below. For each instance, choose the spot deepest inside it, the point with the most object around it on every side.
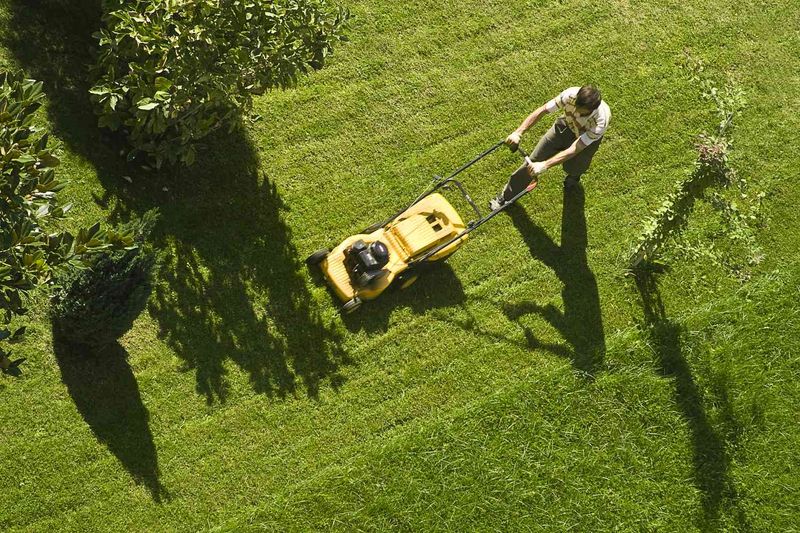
(581, 322)
(104, 389)
(229, 285)
(437, 288)
(710, 457)
(51, 40)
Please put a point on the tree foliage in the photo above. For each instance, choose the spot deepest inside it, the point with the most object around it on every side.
(170, 72)
(29, 253)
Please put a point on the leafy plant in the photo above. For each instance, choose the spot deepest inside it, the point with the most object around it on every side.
(29, 254)
(95, 306)
(713, 181)
(170, 72)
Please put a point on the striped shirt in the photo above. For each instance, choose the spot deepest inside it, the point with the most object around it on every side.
(588, 129)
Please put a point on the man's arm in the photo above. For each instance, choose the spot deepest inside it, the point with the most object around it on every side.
(526, 124)
(574, 149)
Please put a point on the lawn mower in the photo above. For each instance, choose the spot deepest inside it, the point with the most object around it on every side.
(395, 251)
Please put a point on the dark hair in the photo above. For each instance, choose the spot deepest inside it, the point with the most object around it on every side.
(588, 97)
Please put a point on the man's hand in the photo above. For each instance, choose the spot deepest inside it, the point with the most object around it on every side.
(513, 140)
(535, 167)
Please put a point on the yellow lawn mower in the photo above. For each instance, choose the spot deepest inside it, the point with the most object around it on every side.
(396, 251)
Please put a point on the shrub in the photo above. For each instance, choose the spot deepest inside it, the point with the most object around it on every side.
(30, 251)
(713, 181)
(95, 306)
(171, 72)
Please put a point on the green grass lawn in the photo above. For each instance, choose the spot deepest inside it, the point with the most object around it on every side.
(527, 385)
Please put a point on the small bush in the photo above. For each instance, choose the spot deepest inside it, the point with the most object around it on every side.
(714, 182)
(169, 73)
(97, 305)
(31, 252)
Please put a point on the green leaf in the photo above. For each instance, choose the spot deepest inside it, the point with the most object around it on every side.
(163, 84)
(25, 159)
(48, 160)
(148, 106)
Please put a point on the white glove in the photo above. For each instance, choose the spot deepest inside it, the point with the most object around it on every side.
(513, 139)
(537, 167)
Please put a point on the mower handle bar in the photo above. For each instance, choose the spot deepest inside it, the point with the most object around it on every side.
(440, 182)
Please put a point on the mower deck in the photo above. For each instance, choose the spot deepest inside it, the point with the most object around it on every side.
(426, 224)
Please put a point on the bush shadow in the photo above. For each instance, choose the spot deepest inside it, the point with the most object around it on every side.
(710, 457)
(51, 40)
(231, 285)
(104, 389)
(581, 322)
(102, 385)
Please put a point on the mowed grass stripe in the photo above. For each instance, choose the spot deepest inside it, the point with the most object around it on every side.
(203, 465)
(469, 489)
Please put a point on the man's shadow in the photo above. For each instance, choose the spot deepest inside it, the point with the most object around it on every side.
(581, 322)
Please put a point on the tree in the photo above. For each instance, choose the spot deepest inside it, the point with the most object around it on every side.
(170, 72)
(30, 254)
(95, 306)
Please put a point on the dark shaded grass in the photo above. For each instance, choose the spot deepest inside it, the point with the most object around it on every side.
(581, 321)
(221, 225)
(711, 443)
(105, 392)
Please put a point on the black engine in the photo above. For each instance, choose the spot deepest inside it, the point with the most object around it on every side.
(365, 262)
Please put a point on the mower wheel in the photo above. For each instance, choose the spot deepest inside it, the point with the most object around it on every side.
(317, 257)
(406, 278)
(351, 306)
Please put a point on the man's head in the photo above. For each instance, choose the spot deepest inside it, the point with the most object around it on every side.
(588, 100)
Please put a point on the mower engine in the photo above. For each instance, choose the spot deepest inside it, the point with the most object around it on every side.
(365, 262)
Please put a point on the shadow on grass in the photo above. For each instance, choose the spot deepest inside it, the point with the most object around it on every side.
(709, 444)
(101, 383)
(581, 322)
(105, 391)
(229, 285)
(438, 287)
(51, 40)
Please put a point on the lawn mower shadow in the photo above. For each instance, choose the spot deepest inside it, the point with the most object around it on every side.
(437, 288)
(581, 322)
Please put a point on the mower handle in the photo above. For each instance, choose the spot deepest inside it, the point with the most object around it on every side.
(440, 181)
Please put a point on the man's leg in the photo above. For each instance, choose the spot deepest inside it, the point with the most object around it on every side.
(556, 139)
(579, 164)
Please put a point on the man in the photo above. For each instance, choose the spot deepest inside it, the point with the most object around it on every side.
(572, 141)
